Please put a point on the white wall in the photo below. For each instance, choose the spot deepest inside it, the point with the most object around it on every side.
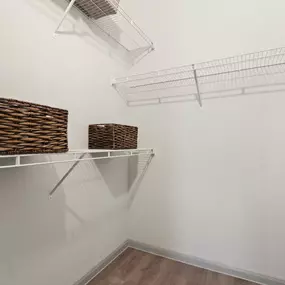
(58, 241)
(215, 189)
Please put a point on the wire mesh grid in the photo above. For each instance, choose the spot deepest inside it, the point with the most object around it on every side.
(179, 84)
(110, 18)
(9, 161)
(96, 9)
(157, 85)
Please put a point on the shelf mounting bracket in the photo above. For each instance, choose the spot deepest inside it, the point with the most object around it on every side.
(64, 15)
(65, 176)
(198, 95)
(136, 183)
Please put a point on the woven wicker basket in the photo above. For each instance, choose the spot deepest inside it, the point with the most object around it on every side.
(112, 136)
(31, 128)
(97, 9)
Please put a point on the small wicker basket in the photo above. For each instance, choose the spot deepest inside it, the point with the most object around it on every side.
(113, 136)
(31, 128)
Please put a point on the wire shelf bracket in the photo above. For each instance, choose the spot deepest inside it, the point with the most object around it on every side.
(18, 161)
(111, 19)
(232, 76)
(198, 95)
(137, 181)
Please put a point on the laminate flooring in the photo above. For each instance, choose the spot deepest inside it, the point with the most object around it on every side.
(134, 267)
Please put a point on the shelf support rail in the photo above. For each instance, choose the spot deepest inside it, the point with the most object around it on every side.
(198, 95)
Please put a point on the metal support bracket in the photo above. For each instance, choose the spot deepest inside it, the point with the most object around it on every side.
(135, 185)
(198, 95)
(64, 15)
(65, 176)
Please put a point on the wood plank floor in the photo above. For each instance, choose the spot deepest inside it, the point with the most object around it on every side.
(134, 267)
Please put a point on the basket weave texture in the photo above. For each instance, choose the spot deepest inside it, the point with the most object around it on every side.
(112, 136)
(97, 9)
(31, 128)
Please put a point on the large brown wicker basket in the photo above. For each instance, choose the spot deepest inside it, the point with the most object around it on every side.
(97, 9)
(31, 128)
(112, 136)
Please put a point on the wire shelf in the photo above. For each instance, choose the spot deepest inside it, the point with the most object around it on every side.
(143, 158)
(26, 160)
(109, 19)
(207, 80)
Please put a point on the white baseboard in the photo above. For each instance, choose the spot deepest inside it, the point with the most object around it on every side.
(187, 259)
(103, 264)
(198, 262)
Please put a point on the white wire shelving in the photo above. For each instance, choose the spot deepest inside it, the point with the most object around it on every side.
(250, 73)
(111, 20)
(74, 157)
(24, 160)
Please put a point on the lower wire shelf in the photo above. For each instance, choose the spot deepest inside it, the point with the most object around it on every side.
(13, 161)
(74, 156)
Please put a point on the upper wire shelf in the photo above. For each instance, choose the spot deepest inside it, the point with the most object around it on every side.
(232, 76)
(114, 23)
